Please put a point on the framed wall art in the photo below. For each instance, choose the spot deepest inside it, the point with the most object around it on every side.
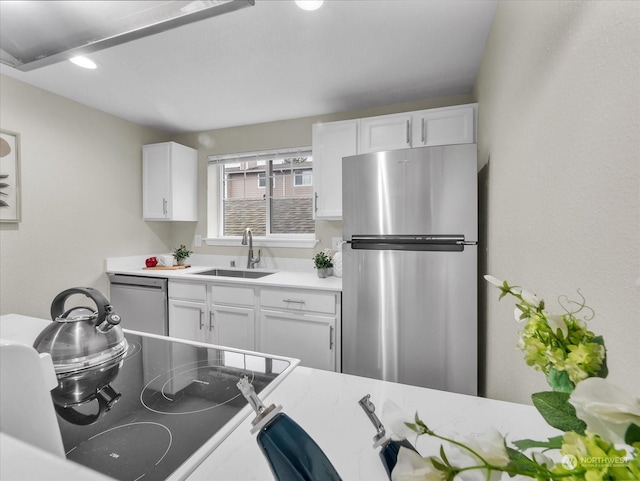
(9, 176)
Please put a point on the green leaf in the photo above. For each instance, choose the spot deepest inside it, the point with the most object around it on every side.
(444, 456)
(604, 370)
(632, 435)
(521, 463)
(559, 381)
(412, 426)
(551, 443)
(439, 466)
(555, 409)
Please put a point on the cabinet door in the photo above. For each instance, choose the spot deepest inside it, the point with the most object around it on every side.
(232, 327)
(183, 202)
(331, 142)
(387, 132)
(187, 320)
(455, 125)
(156, 171)
(309, 338)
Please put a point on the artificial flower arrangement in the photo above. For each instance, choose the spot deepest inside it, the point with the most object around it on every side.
(600, 421)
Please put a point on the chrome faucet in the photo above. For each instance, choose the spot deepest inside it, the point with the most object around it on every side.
(251, 261)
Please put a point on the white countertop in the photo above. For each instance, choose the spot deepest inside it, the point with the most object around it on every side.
(303, 279)
(325, 404)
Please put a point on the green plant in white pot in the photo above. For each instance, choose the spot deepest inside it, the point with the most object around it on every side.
(322, 261)
(181, 254)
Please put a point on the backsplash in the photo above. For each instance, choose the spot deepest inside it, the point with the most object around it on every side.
(275, 263)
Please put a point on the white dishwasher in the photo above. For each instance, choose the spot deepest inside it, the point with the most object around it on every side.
(141, 302)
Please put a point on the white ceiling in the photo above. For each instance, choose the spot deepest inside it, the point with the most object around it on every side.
(274, 61)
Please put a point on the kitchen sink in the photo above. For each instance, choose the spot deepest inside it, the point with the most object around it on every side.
(233, 273)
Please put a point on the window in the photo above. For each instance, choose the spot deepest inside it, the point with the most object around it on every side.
(239, 195)
(302, 178)
(262, 180)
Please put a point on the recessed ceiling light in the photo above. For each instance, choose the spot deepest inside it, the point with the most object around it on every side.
(309, 4)
(83, 62)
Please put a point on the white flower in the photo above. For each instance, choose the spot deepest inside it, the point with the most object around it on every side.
(556, 322)
(494, 280)
(607, 409)
(394, 419)
(491, 447)
(530, 298)
(413, 467)
(542, 459)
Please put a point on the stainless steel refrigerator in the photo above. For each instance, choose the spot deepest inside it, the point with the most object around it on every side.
(410, 222)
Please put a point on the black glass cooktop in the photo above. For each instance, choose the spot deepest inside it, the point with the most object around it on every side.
(174, 397)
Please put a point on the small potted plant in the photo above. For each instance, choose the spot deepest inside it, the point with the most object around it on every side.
(322, 261)
(181, 254)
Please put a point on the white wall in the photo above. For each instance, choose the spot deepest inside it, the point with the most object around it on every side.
(82, 191)
(81, 198)
(275, 135)
(559, 120)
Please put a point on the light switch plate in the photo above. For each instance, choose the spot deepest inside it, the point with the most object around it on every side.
(197, 240)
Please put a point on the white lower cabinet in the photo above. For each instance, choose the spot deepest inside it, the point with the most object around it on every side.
(233, 326)
(232, 316)
(308, 337)
(188, 310)
(300, 323)
(187, 320)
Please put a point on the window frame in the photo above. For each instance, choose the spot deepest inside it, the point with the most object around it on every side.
(302, 240)
(303, 174)
(262, 178)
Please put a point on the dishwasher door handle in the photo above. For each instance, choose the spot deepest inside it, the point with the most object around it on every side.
(159, 283)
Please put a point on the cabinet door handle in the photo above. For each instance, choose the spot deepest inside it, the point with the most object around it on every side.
(424, 132)
(315, 202)
(331, 338)
(164, 206)
(294, 301)
(408, 132)
(211, 319)
(201, 320)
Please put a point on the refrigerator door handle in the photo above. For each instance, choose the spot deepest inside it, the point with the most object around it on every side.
(453, 243)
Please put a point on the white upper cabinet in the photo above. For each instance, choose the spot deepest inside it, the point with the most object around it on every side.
(169, 182)
(331, 142)
(446, 126)
(386, 132)
(334, 140)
